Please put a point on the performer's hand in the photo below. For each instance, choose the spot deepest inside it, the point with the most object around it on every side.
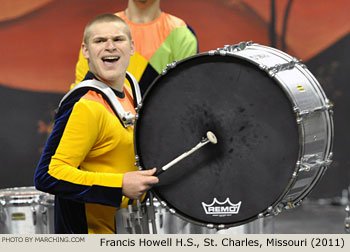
(136, 183)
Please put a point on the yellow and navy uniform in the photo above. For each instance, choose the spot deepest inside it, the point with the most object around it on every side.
(84, 160)
(158, 43)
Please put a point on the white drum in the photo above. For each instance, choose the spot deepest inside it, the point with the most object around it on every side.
(25, 210)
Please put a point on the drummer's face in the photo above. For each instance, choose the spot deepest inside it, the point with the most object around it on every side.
(108, 51)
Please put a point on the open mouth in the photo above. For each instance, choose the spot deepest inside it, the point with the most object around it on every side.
(110, 59)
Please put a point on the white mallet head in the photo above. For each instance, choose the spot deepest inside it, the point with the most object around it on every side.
(211, 137)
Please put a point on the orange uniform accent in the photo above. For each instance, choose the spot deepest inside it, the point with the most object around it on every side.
(147, 47)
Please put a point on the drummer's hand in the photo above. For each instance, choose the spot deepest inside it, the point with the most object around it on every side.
(136, 183)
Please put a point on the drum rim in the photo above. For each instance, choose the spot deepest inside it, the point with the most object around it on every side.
(24, 196)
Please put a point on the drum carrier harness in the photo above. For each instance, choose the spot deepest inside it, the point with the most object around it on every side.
(126, 117)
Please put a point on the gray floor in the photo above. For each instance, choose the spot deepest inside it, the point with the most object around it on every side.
(313, 217)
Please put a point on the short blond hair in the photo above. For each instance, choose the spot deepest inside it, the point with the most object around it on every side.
(107, 17)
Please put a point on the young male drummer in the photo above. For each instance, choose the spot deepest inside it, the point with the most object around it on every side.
(88, 161)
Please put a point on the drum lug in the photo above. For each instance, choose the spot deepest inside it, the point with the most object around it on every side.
(263, 67)
(222, 52)
(236, 47)
(304, 113)
(305, 167)
(267, 212)
(168, 67)
(171, 65)
(296, 110)
(275, 210)
(310, 158)
(272, 211)
(272, 71)
(327, 107)
(310, 162)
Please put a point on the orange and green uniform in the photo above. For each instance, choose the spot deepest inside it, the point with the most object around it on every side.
(158, 43)
(84, 161)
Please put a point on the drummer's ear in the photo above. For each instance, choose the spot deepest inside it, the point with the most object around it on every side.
(85, 51)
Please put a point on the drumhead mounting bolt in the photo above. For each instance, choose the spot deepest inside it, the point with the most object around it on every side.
(210, 226)
(221, 226)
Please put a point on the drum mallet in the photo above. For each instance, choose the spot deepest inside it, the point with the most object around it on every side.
(211, 138)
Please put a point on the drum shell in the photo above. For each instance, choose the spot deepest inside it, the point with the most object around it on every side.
(24, 210)
(316, 130)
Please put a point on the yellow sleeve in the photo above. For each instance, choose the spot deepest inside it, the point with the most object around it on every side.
(80, 135)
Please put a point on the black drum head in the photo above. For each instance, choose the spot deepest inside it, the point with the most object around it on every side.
(252, 164)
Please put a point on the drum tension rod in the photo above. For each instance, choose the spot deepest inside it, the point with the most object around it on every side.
(272, 71)
(211, 138)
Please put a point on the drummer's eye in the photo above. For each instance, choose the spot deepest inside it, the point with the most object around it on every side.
(119, 38)
(99, 40)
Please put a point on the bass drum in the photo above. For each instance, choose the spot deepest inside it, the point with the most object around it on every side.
(272, 121)
(25, 210)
